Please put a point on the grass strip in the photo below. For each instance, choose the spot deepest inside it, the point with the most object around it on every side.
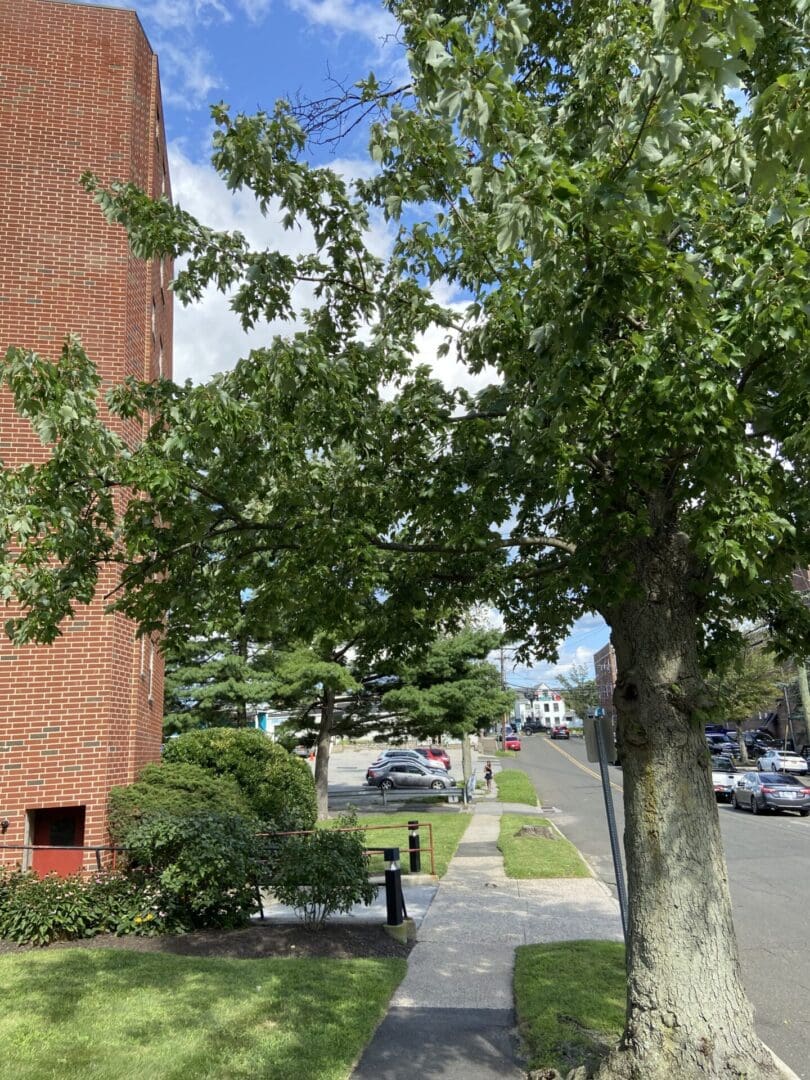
(570, 1002)
(515, 786)
(537, 856)
(109, 1014)
(448, 829)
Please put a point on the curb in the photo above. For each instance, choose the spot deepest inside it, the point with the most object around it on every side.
(785, 1071)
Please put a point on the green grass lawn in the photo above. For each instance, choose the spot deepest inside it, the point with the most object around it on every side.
(537, 856)
(570, 1002)
(107, 1014)
(506, 753)
(448, 828)
(516, 787)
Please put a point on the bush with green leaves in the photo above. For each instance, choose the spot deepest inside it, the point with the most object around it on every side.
(278, 786)
(174, 788)
(321, 872)
(37, 911)
(203, 867)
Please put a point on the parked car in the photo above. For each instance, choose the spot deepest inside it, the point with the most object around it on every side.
(403, 773)
(434, 755)
(532, 727)
(724, 777)
(782, 761)
(398, 752)
(560, 731)
(511, 742)
(771, 791)
(721, 744)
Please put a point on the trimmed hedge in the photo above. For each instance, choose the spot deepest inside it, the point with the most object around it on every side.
(203, 867)
(279, 787)
(174, 788)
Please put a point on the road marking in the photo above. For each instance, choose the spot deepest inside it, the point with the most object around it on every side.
(579, 765)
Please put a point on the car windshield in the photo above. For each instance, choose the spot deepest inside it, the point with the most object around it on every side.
(779, 780)
(724, 763)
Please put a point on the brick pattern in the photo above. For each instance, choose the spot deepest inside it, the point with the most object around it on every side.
(79, 89)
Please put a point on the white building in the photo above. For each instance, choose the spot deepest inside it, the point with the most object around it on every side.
(542, 704)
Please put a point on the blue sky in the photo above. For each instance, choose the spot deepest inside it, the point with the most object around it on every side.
(248, 53)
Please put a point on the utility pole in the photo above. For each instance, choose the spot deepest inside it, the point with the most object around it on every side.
(503, 687)
(804, 693)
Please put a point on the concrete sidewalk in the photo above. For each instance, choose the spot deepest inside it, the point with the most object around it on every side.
(452, 1017)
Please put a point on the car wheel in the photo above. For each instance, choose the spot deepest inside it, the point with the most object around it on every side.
(754, 807)
(805, 812)
(734, 802)
(386, 784)
(437, 785)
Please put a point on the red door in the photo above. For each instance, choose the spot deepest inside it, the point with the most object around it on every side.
(61, 827)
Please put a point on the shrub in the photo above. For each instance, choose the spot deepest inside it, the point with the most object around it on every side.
(37, 911)
(174, 788)
(278, 786)
(202, 867)
(322, 872)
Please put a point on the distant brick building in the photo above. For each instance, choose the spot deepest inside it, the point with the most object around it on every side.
(79, 90)
(604, 663)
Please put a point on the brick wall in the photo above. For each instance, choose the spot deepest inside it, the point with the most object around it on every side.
(79, 90)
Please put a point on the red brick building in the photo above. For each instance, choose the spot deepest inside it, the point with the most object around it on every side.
(79, 90)
(604, 665)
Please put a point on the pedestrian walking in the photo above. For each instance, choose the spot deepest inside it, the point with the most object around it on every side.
(488, 775)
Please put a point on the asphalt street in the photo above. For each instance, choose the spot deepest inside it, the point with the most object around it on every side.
(769, 873)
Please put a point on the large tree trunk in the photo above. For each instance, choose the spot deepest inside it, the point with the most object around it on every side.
(688, 1017)
(323, 748)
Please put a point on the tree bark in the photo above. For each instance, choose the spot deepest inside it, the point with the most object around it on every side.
(323, 749)
(687, 1014)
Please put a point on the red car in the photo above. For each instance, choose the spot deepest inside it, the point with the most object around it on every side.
(560, 732)
(435, 755)
(511, 742)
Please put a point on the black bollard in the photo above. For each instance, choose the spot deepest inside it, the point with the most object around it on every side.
(414, 846)
(394, 903)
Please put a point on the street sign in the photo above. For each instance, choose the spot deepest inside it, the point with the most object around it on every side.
(608, 739)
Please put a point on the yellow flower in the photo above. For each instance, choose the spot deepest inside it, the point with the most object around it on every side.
(138, 920)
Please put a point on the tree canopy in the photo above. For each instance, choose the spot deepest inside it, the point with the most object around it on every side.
(450, 689)
(581, 692)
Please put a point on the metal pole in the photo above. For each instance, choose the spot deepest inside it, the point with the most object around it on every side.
(611, 822)
(394, 903)
(414, 844)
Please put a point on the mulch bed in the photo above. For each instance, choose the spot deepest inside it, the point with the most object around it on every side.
(338, 942)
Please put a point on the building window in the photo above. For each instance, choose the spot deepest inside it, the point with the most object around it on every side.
(151, 672)
(546, 708)
(556, 706)
(143, 657)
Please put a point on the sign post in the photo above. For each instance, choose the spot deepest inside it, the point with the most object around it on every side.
(600, 746)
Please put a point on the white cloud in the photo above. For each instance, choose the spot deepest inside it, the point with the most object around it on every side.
(587, 636)
(342, 16)
(186, 74)
(185, 14)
